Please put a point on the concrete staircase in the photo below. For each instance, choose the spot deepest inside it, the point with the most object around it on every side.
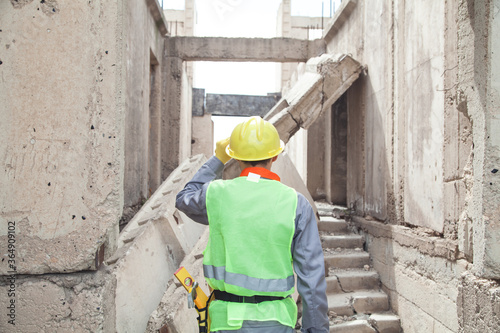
(356, 302)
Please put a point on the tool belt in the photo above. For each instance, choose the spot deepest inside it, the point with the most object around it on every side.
(228, 297)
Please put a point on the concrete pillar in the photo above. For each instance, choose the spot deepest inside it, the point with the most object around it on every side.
(171, 115)
(285, 30)
(356, 146)
(189, 19)
(154, 152)
(316, 141)
(327, 151)
(479, 65)
(338, 160)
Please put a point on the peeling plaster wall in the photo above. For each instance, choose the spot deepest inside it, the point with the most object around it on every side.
(61, 132)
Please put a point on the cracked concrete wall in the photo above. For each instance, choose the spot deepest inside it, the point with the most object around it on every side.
(479, 301)
(423, 151)
(62, 132)
(77, 302)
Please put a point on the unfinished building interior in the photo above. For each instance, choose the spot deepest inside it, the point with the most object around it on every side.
(392, 119)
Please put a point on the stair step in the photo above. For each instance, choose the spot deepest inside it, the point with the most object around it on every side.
(386, 322)
(353, 280)
(345, 259)
(357, 326)
(351, 241)
(333, 285)
(332, 225)
(346, 304)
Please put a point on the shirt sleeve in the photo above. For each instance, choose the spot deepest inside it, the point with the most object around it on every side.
(191, 199)
(309, 265)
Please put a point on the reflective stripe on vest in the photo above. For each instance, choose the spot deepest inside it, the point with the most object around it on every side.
(248, 282)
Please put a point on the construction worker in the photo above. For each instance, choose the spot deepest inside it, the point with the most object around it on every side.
(260, 232)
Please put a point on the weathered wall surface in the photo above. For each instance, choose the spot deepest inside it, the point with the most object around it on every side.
(420, 272)
(76, 83)
(479, 300)
(423, 150)
(202, 134)
(479, 73)
(409, 188)
(78, 302)
(410, 158)
(61, 132)
(240, 105)
(176, 111)
(144, 48)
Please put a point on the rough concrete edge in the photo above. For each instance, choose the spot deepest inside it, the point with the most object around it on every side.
(152, 208)
(323, 65)
(431, 245)
(158, 15)
(484, 290)
(316, 48)
(347, 82)
(174, 300)
(339, 18)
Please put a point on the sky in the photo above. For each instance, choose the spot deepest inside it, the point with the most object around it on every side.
(241, 18)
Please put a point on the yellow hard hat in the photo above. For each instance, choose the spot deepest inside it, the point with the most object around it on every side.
(254, 140)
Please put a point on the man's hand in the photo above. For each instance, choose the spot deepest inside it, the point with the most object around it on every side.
(220, 150)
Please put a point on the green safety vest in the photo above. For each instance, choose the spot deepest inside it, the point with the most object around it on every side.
(252, 223)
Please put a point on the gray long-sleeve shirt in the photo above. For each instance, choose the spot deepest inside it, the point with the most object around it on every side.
(306, 248)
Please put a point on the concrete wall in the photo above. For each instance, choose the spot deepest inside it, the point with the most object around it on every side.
(62, 131)
(478, 90)
(421, 274)
(62, 143)
(76, 143)
(144, 50)
(423, 151)
(404, 93)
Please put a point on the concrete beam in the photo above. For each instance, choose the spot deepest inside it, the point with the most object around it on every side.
(325, 80)
(240, 105)
(243, 49)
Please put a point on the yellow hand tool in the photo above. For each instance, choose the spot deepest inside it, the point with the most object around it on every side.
(196, 298)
